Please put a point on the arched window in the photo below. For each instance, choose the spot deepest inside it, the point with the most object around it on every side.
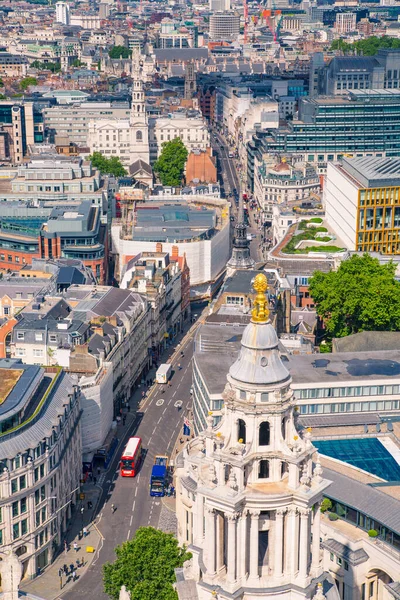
(263, 469)
(139, 136)
(284, 468)
(283, 428)
(242, 431)
(264, 434)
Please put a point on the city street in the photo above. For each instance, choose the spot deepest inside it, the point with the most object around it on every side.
(231, 181)
(158, 423)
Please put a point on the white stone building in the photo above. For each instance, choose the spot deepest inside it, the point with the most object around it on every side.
(128, 139)
(192, 130)
(282, 181)
(41, 462)
(248, 495)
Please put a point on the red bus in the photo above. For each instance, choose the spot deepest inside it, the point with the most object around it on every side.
(130, 459)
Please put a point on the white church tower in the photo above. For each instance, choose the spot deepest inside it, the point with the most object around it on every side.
(248, 491)
(139, 126)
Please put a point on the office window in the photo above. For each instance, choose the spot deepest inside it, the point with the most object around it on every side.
(38, 337)
(15, 531)
(22, 482)
(14, 486)
(24, 526)
(15, 509)
(20, 335)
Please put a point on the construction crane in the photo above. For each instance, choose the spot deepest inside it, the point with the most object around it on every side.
(246, 21)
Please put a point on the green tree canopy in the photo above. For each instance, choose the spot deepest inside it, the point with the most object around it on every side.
(368, 46)
(26, 82)
(170, 165)
(119, 52)
(108, 166)
(43, 66)
(362, 295)
(145, 565)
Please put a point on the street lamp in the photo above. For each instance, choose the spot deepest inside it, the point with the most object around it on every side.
(82, 511)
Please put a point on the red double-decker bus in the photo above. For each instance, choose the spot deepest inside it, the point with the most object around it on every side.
(131, 456)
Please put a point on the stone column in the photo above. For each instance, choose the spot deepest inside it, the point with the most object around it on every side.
(303, 544)
(254, 544)
(210, 535)
(232, 519)
(290, 541)
(200, 521)
(315, 538)
(279, 542)
(242, 545)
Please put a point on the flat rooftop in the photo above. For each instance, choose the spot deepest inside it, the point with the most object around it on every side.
(8, 379)
(172, 222)
(221, 342)
(373, 172)
(344, 367)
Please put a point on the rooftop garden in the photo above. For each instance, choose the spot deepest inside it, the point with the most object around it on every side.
(307, 231)
(9, 378)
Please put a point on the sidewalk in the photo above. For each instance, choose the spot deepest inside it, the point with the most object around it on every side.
(48, 585)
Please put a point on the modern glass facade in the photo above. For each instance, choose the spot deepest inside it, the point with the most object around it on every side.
(378, 220)
(361, 123)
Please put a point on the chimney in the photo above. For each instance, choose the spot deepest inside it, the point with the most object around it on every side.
(159, 247)
(175, 252)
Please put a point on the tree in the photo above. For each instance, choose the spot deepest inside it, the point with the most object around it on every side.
(26, 82)
(77, 63)
(171, 162)
(145, 565)
(362, 295)
(368, 46)
(108, 166)
(120, 52)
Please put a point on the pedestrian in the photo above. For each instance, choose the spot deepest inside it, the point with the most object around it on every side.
(123, 420)
(94, 480)
(60, 572)
(65, 569)
(65, 546)
(85, 531)
(82, 561)
(78, 563)
(74, 575)
(75, 547)
(129, 408)
(98, 471)
(113, 509)
(71, 567)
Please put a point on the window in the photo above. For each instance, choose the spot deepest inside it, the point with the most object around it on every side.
(24, 526)
(38, 337)
(14, 486)
(22, 482)
(263, 469)
(264, 434)
(37, 352)
(139, 136)
(20, 335)
(15, 509)
(15, 531)
(52, 337)
(6, 310)
(241, 431)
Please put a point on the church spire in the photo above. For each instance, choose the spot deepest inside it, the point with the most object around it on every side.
(241, 258)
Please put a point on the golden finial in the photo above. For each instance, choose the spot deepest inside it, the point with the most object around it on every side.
(260, 311)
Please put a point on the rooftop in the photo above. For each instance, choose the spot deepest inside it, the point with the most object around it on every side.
(345, 366)
(172, 222)
(8, 380)
(371, 171)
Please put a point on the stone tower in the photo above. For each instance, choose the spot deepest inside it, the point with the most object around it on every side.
(139, 127)
(241, 258)
(190, 81)
(248, 491)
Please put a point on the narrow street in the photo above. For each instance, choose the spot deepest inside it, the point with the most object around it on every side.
(158, 423)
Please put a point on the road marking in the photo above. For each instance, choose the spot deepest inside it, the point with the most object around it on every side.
(133, 505)
(164, 410)
(178, 404)
(136, 492)
(129, 535)
(174, 394)
(148, 441)
(130, 522)
(154, 430)
(160, 402)
(160, 417)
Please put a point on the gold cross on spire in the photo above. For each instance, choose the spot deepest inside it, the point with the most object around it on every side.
(260, 312)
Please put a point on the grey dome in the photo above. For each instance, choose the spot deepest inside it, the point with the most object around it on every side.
(259, 361)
